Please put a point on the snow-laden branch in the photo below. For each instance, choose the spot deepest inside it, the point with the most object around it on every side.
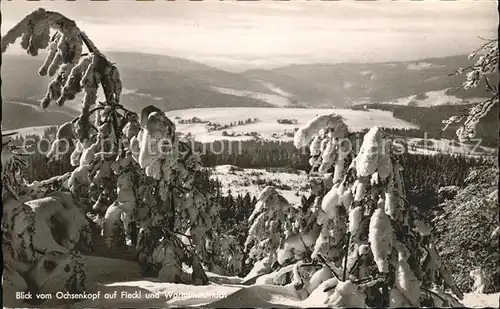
(361, 228)
(487, 64)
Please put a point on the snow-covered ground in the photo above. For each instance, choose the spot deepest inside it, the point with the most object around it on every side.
(241, 181)
(473, 300)
(446, 146)
(108, 276)
(268, 125)
(434, 98)
(275, 89)
(274, 99)
(72, 111)
(39, 131)
(416, 145)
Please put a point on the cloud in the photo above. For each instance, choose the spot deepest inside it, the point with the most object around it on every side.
(229, 34)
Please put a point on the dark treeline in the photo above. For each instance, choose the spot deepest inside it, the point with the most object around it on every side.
(429, 120)
(438, 170)
(262, 153)
(253, 154)
(215, 126)
(234, 210)
(39, 166)
(423, 174)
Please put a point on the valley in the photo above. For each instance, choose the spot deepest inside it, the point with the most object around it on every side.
(241, 212)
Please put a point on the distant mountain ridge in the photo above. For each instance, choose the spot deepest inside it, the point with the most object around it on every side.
(173, 83)
(350, 83)
(16, 115)
(170, 83)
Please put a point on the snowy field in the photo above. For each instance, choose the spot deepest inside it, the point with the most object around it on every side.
(434, 98)
(29, 131)
(108, 276)
(416, 145)
(241, 181)
(277, 100)
(446, 146)
(267, 126)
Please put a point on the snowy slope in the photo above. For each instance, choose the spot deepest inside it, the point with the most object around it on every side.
(243, 181)
(446, 146)
(39, 131)
(268, 125)
(108, 276)
(473, 300)
(434, 98)
(274, 99)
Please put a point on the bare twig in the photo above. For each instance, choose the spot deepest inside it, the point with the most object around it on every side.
(484, 39)
(324, 261)
(346, 255)
(490, 87)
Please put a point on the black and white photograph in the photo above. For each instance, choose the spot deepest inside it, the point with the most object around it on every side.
(250, 154)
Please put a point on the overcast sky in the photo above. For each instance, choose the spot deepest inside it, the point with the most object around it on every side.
(237, 36)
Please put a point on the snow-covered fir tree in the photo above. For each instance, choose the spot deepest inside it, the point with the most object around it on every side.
(358, 233)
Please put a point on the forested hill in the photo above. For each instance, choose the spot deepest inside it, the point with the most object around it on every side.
(429, 120)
